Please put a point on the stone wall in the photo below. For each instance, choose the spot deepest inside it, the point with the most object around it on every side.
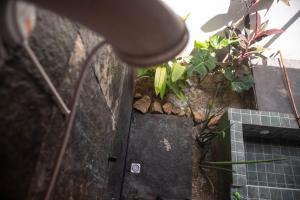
(31, 125)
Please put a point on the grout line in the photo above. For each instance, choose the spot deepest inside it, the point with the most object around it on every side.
(277, 188)
(294, 178)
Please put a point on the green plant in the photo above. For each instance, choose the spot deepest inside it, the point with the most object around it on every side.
(237, 196)
(240, 49)
(202, 62)
(208, 129)
(204, 59)
(172, 77)
(167, 77)
(229, 56)
(209, 63)
(221, 166)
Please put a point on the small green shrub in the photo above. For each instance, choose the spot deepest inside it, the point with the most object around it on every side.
(237, 196)
(167, 77)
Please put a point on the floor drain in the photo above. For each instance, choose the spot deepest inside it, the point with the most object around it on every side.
(135, 168)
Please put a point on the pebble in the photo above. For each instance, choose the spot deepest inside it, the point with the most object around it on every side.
(142, 104)
(156, 107)
(167, 107)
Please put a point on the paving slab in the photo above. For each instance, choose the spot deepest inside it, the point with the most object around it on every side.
(159, 158)
(271, 93)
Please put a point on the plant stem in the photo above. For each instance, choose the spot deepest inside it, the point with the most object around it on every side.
(217, 168)
(242, 162)
(208, 179)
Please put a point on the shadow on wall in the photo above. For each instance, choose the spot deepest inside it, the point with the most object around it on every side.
(236, 10)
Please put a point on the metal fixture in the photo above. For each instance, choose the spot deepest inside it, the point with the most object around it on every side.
(19, 19)
(135, 168)
(37, 64)
(288, 86)
(141, 32)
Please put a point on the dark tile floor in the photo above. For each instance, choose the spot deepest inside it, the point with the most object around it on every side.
(283, 174)
(269, 193)
(275, 180)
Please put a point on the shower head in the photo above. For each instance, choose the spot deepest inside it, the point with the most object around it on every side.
(141, 32)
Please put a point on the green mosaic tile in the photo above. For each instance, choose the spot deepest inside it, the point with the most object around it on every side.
(275, 121)
(246, 119)
(236, 117)
(256, 119)
(265, 121)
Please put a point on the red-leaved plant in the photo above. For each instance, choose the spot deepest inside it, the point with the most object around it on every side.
(247, 40)
(237, 65)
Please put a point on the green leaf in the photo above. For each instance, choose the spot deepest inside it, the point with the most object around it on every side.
(143, 71)
(177, 71)
(246, 162)
(218, 42)
(243, 83)
(201, 45)
(160, 81)
(237, 86)
(202, 63)
(237, 195)
(225, 42)
(181, 84)
(176, 90)
(215, 41)
(186, 59)
(229, 75)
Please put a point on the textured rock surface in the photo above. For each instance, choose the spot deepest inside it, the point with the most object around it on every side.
(172, 98)
(176, 110)
(156, 107)
(199, 116)
(31, 125)
(142, 104)
(167, 107)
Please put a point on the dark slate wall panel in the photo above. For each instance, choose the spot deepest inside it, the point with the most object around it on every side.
(31, 125)
(271, 93)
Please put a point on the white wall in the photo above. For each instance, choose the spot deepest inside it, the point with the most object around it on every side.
(208, 17)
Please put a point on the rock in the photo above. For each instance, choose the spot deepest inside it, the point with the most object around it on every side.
(173, 99)
(156, 107)
(198, 98)
(182, 113)
(78, 54)
(138, 95)
(214, 121)
(142, 104)
(167, 107)
(188, 112)
(199, 116)
(176, 110)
